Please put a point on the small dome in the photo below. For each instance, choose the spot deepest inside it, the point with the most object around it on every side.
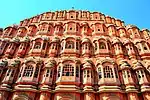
(137, 65)
(127, 41)
(25, 39)
(130, 26)
(58, 23)
(3, 63)
(87, 64)
(50, 64)
(124, 64)
(45, 38)
(146, 30)
(15, 62)
(55, 39)
(115, 40)
(86, 40)
(4, 39)
(15, 39)
(84, 24)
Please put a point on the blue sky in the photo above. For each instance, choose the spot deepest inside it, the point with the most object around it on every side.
(136, 12)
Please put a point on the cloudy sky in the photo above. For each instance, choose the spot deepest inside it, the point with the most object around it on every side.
(136, 12)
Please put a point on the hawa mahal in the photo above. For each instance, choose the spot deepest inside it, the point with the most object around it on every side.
(74, 55)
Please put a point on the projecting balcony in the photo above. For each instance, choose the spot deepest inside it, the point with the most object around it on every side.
(43, 32)
(99, 33)
(70, 52)
(103, 53)
(68, 32)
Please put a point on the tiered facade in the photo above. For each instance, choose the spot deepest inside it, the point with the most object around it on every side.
(74, 55)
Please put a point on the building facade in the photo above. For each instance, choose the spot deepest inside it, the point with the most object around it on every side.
(74, 55)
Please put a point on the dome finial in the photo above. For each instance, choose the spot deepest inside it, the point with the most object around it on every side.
(72, 8)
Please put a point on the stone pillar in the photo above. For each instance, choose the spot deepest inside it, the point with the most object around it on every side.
(132, 96)
(45, 96)
(89, 96)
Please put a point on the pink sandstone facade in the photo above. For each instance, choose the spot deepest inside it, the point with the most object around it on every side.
(74, 55)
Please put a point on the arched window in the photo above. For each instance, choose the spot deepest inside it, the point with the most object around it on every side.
(99, 73)
(102, 45)
(69, 45)
(37, 45)
(28, 71)
(108, 73)
(68, 70)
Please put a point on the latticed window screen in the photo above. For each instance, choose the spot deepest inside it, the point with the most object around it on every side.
(37, 45)
(68, 70)
(47, 72)
(36, 72)
(44, 27)
(51, 73)
(44, 45)
(140, 74)
(59, 71)
(8, 72)
(102, 45)
(86, 46)
(20, 72)
(108, 73)
(28, 71)
(12, 73)
(69, 45)
(88, 73)
(99, 73)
